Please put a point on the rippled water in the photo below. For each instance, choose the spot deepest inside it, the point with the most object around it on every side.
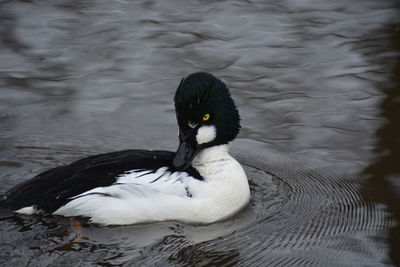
(317, 85)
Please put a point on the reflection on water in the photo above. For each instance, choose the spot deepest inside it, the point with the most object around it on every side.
(317, 86)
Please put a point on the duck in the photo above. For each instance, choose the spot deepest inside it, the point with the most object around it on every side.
(200, 183)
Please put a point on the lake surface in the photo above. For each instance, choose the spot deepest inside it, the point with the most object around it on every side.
(317, 84)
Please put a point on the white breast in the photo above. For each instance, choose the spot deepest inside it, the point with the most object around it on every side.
(227, 189)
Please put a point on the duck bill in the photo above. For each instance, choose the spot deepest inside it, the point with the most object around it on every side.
(184, 155)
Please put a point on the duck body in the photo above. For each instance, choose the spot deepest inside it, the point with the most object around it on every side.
(200, 183)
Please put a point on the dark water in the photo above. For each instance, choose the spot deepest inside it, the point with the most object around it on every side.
(318, 87)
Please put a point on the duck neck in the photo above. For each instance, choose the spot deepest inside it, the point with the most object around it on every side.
(212, 154)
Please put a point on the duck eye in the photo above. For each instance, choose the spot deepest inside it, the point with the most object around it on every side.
(206, 117)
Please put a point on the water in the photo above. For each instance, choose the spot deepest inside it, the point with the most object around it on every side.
(317, 85)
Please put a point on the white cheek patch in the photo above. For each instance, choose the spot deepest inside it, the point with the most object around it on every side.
(206, 134)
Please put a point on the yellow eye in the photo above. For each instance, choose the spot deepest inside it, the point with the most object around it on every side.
(206, 117)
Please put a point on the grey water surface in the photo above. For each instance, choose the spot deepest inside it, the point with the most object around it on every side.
(317, 84)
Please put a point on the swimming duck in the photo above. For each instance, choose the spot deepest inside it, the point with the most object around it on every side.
(199, 183)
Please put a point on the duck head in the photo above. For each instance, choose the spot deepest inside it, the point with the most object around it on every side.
(206, 114)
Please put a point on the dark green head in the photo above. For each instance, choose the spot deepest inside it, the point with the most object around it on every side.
(206, 114)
